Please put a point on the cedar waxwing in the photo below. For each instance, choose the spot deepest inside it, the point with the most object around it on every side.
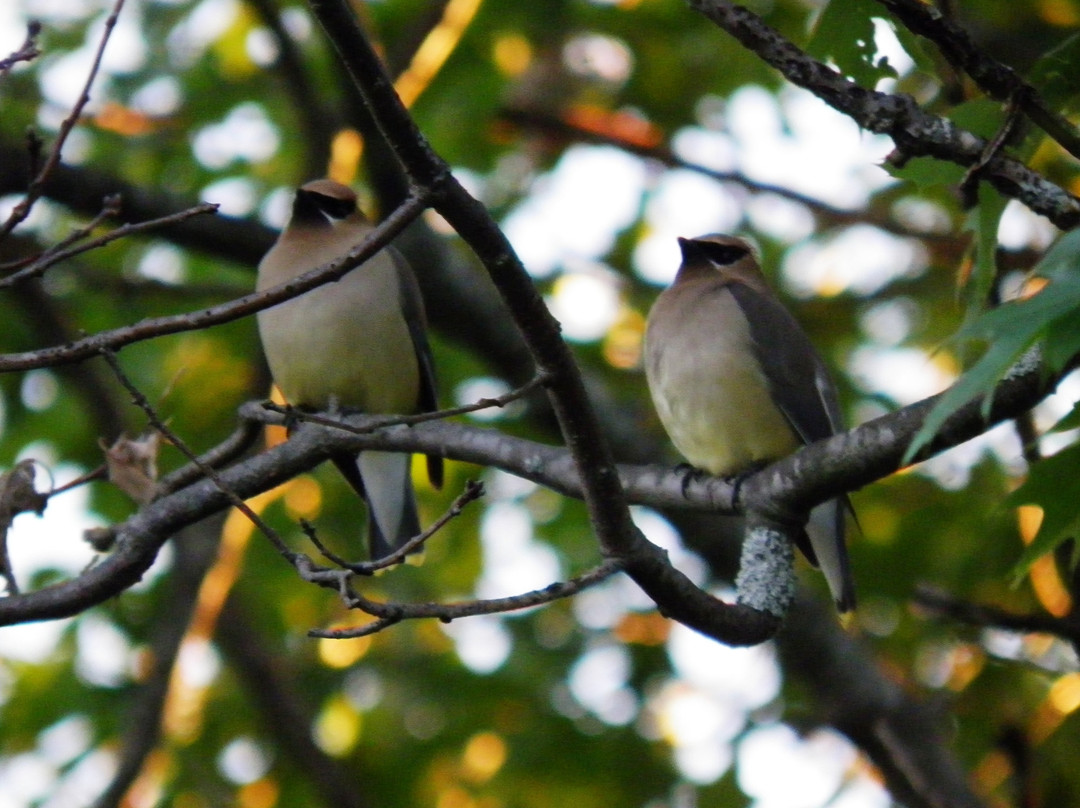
(357, 344)
(737, 383)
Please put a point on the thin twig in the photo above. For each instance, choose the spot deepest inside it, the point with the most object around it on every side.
(388, 614)
(969, 185)
(63, 251)
(990, 616)
(208, 471)
(150, 328)
(100, 473)
(474, 489)
(110, 206)
(292, 414)
(27, 52)
(37, 185)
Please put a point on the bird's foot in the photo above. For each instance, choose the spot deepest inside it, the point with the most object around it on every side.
(739, 478)
(292, 418)
(690, 473)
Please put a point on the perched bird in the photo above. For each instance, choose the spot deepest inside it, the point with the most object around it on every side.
(356, 344)
(737, 383)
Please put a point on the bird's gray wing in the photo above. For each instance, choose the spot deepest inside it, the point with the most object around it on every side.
(804, 393)
(795, 373)
(412, 306)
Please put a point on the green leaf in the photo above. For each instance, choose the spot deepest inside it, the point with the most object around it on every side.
(983, 116)
(1054, 485)
(1056, 75)
(977, 381)
(844, 32)
(1062, 261)
(927, 172)
(983, 221)
(916, 47)
(1011, 329)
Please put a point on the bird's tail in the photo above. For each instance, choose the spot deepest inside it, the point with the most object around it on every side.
(826, 530)
(384, 480)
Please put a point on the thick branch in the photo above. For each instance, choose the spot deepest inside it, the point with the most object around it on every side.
(915, 132)
(602, 492)
(997, 79)
(904, 737)
(779, 492)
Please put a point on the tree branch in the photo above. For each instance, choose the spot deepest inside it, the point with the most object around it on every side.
(915, 132)
(152, 327)
(997, 79)
(600, 486)
(36, 189)
(388, 614)
(778, 494)
(473, 491)
(904, 737)
(27, 52)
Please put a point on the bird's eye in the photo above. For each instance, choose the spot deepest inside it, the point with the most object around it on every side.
(335, 208)
(725, 254)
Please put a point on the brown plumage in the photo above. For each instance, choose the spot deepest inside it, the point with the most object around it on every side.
(357, 344)
(737, 383)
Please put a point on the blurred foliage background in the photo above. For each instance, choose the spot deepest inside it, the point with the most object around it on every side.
(596, 132)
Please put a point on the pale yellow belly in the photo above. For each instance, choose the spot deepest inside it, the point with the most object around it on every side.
(344, 341)
(724, 424)
(710, 392)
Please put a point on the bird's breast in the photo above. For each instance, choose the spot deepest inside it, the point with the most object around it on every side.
(707, 384)
(346, 341)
